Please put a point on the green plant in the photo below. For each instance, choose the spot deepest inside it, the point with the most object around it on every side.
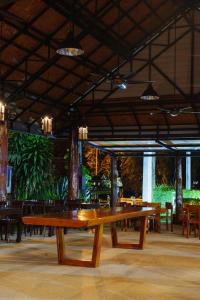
(86, 183)
(59, 188)
(163, 193)
(31, 157)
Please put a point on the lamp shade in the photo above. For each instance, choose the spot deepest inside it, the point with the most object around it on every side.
(83, 133)
(150, 93)
(47, 125)
(2, 111)
(72, 47)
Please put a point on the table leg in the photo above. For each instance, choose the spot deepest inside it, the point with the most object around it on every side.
(140, 245)
(62, 259)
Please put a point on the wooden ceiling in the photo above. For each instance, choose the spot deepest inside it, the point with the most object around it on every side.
(147, 39)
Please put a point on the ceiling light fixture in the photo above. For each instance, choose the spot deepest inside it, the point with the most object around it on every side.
(2, 112)
(150, 93)
(47, 125)
(83, 133)
(72, 46)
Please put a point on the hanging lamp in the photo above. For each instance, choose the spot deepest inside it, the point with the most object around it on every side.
(83, 133)
(71, 47)
(150, 93)
(47, 125)
(2, 111)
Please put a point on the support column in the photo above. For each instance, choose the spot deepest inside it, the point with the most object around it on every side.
(80, 164)
(153, 171)
(147, 190)
(114, 174)
(3, 160)
(179, 191)
(188, 171)
(73, 176)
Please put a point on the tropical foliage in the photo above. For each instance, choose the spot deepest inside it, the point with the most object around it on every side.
(97, 161)
(131, 175)
(31, 158)
(165, 193)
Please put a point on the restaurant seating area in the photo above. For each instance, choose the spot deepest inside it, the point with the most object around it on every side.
(190, 218)
(99, 150)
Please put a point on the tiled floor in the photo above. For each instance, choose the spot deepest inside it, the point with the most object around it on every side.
(168, 268)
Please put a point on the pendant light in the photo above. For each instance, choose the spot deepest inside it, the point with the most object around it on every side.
(149, 93)
(82, 130)
(83, 133)
(47, 125)
(71, 46)
(2, 112)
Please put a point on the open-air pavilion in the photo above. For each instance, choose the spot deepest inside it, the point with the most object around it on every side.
(121, 77)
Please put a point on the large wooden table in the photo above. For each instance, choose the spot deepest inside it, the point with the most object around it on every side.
(94, 218)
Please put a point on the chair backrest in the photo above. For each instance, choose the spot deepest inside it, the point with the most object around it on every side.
(17, 203)
(193, 211)
(74, 204)
(90, 205)
(169, 206)
(151, 204)
(2, 203)
(124, 204)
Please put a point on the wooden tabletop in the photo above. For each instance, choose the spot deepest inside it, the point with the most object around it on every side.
(87, 218)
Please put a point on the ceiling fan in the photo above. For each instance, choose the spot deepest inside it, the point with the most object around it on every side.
(174, 112)
(120, 80)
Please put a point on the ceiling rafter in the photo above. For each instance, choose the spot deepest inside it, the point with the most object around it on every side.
(74, 67)
(112, 54)
(136, 114)
(136, 50)
(147, 63)
(102, 79)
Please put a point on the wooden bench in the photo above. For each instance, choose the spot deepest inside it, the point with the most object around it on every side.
(94, 218)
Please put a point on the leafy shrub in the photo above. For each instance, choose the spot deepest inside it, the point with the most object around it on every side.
(165, 193)
(31, 158)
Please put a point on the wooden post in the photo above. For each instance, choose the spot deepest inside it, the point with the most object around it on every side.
(114, 175)
(73, 175)
(3, 160)
(80, 164)
(179, 191)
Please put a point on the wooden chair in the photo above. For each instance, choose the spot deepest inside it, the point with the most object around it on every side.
(125, 224)
(9, 223)
(154, 220)
(31, 207)
(74, 204)
(191, 220)
(168, 216)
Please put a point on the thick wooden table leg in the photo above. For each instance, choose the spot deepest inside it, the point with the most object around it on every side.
(140, 245)
(81, 263)
(97, 245)
(60, 244)
(143, 230)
